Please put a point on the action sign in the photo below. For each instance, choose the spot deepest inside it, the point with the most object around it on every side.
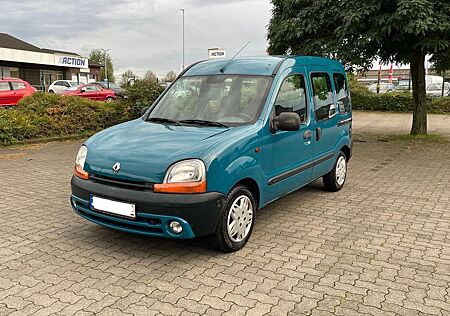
(217, 53)
(71, 61)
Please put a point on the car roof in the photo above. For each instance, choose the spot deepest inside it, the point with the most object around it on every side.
(12, 79)
(261, 65)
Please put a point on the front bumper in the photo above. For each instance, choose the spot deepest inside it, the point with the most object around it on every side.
(197, 213)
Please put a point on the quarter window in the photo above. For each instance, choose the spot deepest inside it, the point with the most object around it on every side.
(292, 97)
(342, 94)
(18, 85)
(323, 96)
(4, 86)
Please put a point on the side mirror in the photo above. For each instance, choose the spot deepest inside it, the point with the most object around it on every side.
(332, 111)
(287, 121)
(144, 110)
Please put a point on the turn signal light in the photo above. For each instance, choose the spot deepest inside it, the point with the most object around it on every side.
(187, 187)
(79, 172)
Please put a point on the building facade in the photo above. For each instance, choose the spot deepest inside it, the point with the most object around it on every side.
(40, 67)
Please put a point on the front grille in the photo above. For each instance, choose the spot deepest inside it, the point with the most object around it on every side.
(126, 184)
(142, 224)
(102, 220)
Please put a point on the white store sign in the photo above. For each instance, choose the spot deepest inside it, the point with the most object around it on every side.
(71, 61)
(217, 53)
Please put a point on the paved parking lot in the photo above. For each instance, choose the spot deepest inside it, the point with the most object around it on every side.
(379, 247)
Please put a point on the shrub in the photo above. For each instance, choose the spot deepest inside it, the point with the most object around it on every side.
(47, 115)
(395, 102)
(141, 94)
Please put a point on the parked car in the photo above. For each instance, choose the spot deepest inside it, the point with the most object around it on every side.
(435, 89)
(61, 85)
(12, 90)
(91, 91)
(403, 87)
(120, 92)
(384, 87)
(205, 163)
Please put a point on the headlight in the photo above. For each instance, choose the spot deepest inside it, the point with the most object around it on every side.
(188, 176)
(186, 171)
(80, 160)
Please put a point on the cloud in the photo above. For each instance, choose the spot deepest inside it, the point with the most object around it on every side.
(141, 34)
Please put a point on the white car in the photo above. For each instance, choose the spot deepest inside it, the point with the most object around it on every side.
(384, 87)
(61, 85)
(435, 89)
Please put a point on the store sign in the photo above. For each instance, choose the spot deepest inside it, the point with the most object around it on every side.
(71, 61)
(215, 53)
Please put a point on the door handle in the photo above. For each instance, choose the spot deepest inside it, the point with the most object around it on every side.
(318, 133)
(307, 135)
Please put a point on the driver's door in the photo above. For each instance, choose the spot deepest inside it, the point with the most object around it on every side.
(90, 92)
(288, 154)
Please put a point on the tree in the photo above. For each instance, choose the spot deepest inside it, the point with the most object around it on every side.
(170, 76)
(98, 56)
(126, 76)
(357, 32)
(149, 75)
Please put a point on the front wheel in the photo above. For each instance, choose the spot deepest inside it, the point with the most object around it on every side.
(109, 99)
(335, 179)
(236, 222)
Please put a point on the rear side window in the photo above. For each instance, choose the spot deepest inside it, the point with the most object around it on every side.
(65, 84)
(292, 97)
(4, 86)
(18, 85)
(342, 93)
(323, 95)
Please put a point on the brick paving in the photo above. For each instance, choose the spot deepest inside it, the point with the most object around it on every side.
(379, 247)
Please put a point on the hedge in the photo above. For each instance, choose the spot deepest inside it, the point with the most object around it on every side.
(363, 99)
(44, 115)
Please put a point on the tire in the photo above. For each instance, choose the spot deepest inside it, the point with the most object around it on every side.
(109, 99)
(226, 238)
(51, 91)
(335, 179)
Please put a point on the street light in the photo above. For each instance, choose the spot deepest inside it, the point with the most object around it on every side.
(106, 69)
(182, 12)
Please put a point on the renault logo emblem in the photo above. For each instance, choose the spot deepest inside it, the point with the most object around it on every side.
(116, 168)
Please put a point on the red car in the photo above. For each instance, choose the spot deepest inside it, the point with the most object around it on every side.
(91, 91)
(12, 90)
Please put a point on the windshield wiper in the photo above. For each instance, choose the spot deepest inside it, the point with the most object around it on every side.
(163, 120)
(204, 122)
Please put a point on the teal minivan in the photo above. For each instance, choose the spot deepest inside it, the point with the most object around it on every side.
(224, 140)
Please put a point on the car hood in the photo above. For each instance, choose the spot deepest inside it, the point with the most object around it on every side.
(145, 150)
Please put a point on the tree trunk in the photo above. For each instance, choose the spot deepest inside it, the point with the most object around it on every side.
(419, 125)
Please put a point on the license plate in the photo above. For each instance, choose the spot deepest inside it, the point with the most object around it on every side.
(113, 207)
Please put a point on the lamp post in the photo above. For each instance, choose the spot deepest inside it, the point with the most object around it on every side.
(106, 68)
(182, 12)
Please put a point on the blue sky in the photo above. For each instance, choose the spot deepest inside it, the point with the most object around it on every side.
(141, 34)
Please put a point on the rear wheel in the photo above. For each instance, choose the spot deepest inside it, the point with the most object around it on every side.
(51, 91)
(236, 222)
(109, 99)
(335, 179)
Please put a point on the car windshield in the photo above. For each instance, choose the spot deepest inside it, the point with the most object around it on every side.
(437, 87)
(105, 85)
(74, 83)
(231, 100)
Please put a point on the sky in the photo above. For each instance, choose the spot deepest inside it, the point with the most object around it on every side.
(141, 34)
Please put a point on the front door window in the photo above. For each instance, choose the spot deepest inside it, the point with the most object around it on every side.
(292, 97)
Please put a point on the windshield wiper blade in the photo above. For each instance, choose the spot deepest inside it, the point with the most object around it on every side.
(163, 120)
(204, 122)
